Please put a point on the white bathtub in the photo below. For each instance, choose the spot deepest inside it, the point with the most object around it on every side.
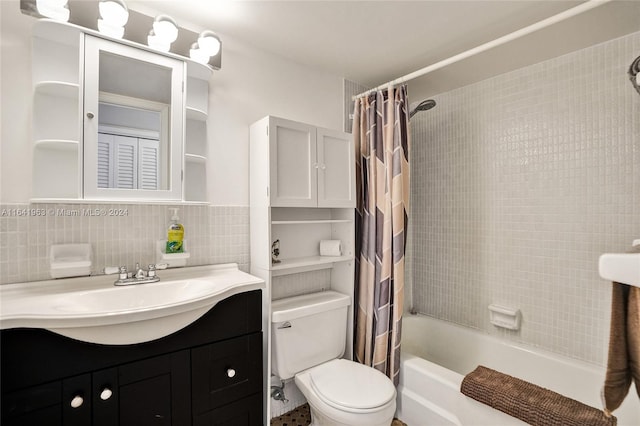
(437, 355)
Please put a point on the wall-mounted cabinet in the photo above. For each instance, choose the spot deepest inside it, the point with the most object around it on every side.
(83, 82)
(308, 166)
(302, 191)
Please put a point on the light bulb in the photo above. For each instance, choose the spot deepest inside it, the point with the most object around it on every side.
(54, 9)
(209, 42)
(114, 12)
(198, 54)
(165, 28)
(157, 43)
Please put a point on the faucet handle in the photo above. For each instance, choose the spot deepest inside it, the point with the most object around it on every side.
(162, 265)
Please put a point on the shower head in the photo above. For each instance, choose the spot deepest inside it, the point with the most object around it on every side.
(423, 106)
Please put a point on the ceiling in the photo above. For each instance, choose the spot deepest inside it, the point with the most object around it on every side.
(372, 42)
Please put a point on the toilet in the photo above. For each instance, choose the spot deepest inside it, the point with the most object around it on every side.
(309, 333)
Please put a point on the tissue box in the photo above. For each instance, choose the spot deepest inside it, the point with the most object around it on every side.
(70, 260)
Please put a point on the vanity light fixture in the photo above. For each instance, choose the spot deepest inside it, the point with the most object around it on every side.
(198, 55)
(114, 15)
(209, 43)
(54, 9)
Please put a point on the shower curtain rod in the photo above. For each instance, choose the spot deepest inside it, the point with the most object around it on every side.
(588, 5)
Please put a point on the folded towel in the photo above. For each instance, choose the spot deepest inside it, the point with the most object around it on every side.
(528, 402)
(623, 365)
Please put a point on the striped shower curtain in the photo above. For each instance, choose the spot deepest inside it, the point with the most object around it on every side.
(381, 135)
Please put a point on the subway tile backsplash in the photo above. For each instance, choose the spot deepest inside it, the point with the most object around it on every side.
(519, 183)
(120, 234)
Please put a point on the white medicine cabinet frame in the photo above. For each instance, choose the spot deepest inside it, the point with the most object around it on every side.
(66, 110)
(302, 191)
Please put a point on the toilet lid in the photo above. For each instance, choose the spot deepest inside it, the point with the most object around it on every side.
(347, 384)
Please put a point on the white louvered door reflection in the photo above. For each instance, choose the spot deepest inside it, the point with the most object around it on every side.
(127, 162)
(148, 164)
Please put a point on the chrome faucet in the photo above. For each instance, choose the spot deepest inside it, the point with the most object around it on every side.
(139, 277)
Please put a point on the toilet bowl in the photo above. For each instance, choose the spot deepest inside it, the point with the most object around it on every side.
(345, 393)
(309, 335)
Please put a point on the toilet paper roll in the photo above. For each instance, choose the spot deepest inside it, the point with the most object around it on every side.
(330, 248)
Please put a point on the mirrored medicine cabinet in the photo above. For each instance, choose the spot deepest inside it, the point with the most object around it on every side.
(114, 121)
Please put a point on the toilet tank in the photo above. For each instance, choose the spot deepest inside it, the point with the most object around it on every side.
(307, 330)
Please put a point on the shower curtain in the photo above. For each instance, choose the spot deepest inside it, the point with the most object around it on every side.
(381, 135)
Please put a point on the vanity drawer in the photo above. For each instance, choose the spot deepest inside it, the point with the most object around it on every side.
(226, 371)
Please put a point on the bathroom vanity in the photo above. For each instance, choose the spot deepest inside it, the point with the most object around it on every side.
(206, 373)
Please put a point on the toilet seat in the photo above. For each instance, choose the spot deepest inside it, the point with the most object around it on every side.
(350, 386)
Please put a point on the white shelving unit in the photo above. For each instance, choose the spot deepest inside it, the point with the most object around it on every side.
(298, 199)
(195, 168)
(56, 117)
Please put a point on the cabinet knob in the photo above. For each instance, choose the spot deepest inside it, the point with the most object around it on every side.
(231, 372)
(77, 401)
(323, 167)
(90, 115)
(105, 394)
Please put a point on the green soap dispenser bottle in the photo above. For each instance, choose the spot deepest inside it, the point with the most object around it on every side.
(175, 234)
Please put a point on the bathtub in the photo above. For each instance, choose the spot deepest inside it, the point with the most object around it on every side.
(437, 355)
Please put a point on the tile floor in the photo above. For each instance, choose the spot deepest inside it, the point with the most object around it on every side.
(302, 417)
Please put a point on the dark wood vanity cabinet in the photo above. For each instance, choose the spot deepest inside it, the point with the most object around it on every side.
(209, 373)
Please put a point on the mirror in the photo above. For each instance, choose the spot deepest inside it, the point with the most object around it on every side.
(133, 123)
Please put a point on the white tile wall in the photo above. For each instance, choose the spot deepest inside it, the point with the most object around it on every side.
(519, 183)
(119, 234)
(303, 283)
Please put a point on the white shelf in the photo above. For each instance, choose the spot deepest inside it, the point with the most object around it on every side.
(57, 144)
(195, 158)
(57, 88)
(196, 114)
(309, 222)
(304, 264)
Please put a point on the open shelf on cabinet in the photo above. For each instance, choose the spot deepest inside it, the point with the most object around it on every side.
(61, 89)
(305, 264)
(196, 114)
(57, 144)
(195, 158)
(309, 222)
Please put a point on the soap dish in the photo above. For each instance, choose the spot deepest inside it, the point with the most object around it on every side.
(70, 260)
(174, 260)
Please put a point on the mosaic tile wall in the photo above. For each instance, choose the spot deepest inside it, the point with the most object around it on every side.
(519, 183)
(120, 234)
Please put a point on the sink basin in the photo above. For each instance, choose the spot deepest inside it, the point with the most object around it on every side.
(93, 310)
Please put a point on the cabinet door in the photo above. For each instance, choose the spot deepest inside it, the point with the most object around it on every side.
(293, 164)
(38, 405)
(76, 401)
(336, 171)
(244, 412)
(225, 372)
(155, 391)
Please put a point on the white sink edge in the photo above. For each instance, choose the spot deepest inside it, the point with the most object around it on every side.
(135, 325)
(146, 328)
